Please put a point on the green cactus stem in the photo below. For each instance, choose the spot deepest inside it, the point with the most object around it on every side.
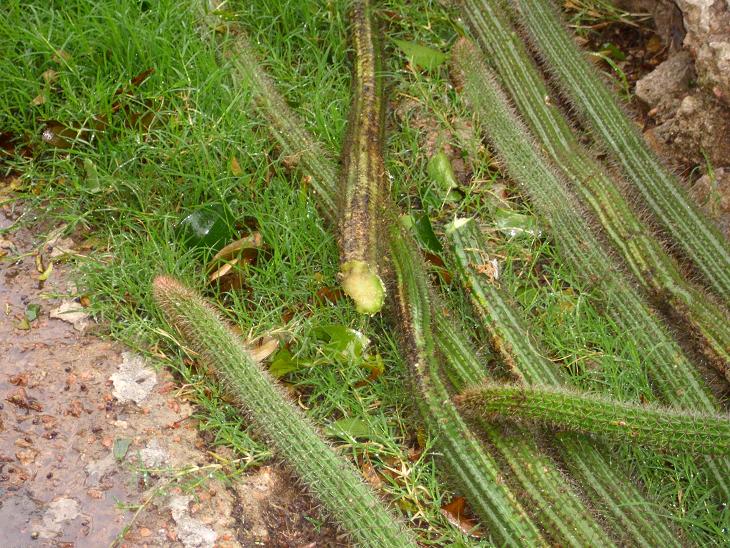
(556, 505)
(660, 428)
(473, 469)
(651, 265)
(363, 182)
(674, 377)
(690, 229)
(332, 480)
(609, 488)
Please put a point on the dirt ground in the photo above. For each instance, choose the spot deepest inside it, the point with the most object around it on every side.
(89, 432)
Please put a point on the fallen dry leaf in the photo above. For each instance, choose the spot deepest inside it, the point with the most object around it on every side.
(455, 512)
(73, 313)
(262, 348)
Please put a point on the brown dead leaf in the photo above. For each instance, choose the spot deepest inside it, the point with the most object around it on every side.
(236, 167)
(455, 512)
(60, 56)
(21, 399)
(21, 379)
(262, 348)
(245, 249)
(75, 408)
(371, 475)
(39, 100)
(49, 76)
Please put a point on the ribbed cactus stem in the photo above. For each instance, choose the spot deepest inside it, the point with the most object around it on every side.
(362, 182)
(690, 229)
(660, 428)
(652, 266)
(609, 488)
(674, 376)
(476, 473)
(331, 479)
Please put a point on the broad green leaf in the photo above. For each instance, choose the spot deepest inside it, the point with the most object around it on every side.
(441, 172)
(516, 224)
(346, 342)
(284, 363)
(32, 311)
(119, 450)
(422, 56)
(351, 428)
(206, 227)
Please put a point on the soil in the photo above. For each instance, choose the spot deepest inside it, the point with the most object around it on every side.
(89, 431)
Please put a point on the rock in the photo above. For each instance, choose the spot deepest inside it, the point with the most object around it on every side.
(712, 193)
(134, 381)
(60, 512)
(699, 131)
(666, 82)
(153, 455)
(73, 313)
(707, 23)
(190, 531)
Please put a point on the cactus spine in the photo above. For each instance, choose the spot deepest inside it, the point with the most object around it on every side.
(363, 182)
(481, 478)
(334, 481)
(522, 351)
(652, 266)
(660, 428)
(693, 233)
(674, 376)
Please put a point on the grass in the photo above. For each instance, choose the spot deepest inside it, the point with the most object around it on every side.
(148, 180)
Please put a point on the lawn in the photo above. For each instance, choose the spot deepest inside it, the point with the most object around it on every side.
(136, 131)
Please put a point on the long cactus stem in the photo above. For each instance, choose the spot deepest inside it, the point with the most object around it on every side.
(564, 515)
(662, 193)
(473, 469)
(652, 266)
(674, 377)
(333, 480)
(613, 420)
(480, 478)
(609, 487)
(363, 181)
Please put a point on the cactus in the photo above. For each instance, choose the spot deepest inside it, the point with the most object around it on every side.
(363, 182)
(481, 482)
(652, 426)
(610, 488)
(690, 230)
(674, 377)
(334, 481)
(652, 266)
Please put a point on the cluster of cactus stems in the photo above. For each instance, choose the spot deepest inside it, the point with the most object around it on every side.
(557, 408)
(610, 489)
(332, 479)
(362, 181)
(662, 194)
(441, 360)
(474, 470)
(650, 263)
(674, 377)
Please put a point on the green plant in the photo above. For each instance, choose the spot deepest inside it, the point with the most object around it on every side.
(674, 376)
(334, 481)
(663, 428)
(651, 265)
(468, 463)
(523, 353)
(690, 230)
(363, 180)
